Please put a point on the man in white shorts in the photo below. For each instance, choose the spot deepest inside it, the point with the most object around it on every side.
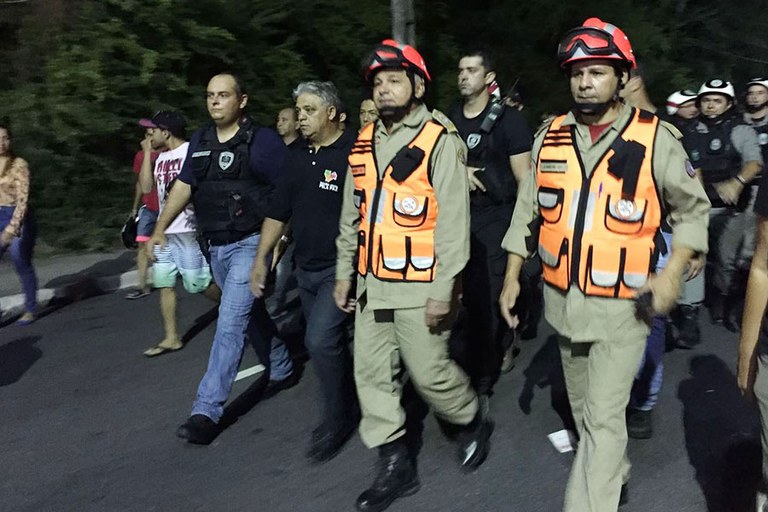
(181, 255)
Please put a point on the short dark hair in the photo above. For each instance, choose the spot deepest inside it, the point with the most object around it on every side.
(485, 59)
(239, 84)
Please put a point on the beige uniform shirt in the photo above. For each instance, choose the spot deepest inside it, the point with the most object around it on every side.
(587, 319)
(449, 179)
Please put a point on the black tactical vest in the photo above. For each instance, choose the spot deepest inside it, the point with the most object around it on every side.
(229, 197)
(762, 139)
(714, 154)
(487, 151)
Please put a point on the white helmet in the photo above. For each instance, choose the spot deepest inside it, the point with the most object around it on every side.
(717, 86)
(758, 81)
(678, 98)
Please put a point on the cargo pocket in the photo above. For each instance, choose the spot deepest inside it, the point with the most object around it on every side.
(551, 203)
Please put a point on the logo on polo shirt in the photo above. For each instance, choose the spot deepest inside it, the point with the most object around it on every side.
(329, 176)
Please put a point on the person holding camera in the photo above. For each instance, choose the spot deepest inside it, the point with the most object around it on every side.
(499, 152)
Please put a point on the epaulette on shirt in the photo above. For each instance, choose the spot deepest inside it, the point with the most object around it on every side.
(672, 129)
(441, 118)
(544, 126)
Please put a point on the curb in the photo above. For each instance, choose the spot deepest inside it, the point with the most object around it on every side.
(84, 287)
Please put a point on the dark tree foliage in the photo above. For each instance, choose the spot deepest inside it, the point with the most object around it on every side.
(77, 74)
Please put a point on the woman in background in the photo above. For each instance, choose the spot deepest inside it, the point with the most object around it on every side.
(17, 228)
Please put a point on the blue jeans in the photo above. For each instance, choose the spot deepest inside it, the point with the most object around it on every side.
(645, 392)
(21, 249)
(241, 316)
(327, 345)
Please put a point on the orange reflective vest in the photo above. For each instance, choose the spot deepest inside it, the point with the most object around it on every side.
(600, 232)
(396, 238)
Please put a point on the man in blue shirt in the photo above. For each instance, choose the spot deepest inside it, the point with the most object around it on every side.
(229, 174)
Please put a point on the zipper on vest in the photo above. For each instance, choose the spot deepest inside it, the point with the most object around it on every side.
(376, 198)
(578, 229)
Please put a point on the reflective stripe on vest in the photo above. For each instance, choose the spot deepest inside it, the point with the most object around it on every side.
(396, 238)
(599, 232)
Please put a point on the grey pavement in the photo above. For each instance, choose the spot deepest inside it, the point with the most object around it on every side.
(89, 423)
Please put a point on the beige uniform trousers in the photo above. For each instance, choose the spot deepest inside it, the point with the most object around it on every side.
(384, 340)
(761, 393)
(599, 378)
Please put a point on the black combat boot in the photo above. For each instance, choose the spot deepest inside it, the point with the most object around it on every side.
(639, 424)
(689, 334)
(396, 478)
(475, 442)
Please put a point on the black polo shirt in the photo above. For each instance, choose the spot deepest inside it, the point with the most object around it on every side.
(309, 193)
(761, 202)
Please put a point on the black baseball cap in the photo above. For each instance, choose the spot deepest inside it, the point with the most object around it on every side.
(167, 120)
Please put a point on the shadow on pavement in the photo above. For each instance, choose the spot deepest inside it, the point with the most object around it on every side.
(545, 370)
(721, 436)
(17, 357)
(115, 266)
(200, 324)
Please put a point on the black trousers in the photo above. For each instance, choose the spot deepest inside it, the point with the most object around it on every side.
(480, 344)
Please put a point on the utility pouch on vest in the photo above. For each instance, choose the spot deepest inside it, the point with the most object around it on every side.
(625, 164)
(405, 162)
(200, 164)
(236, 206)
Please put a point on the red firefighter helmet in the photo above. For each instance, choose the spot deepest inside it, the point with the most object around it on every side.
(595, 39)
(391, 54)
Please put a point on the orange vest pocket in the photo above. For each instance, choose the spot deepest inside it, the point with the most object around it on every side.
(409, 211)
(553, 250)
(551, 203)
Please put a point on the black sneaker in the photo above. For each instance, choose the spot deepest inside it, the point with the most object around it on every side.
(325, 445)
(198, 429)
(475, 443)
(396, 478)
(689, 333)
(639, 424)
(276, 386)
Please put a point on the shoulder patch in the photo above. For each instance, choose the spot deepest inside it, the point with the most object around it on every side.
(441, 118)
(671, 129)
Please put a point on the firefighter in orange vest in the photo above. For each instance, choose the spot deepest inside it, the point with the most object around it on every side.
(605, 176)
(404, 239)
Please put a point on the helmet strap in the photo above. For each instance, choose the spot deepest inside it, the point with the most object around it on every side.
(755, 108)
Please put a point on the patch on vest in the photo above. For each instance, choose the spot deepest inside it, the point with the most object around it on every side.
(473, 140)
(625, 209)
(225, 160)
(762, 139)
(715, 145)
(201, 153)
(689, 170)
(553, 166)
(409, 205)
(357, 170)
(695, 155)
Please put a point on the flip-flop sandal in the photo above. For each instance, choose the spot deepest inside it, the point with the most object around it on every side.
(159, 350)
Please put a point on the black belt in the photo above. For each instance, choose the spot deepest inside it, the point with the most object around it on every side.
(229, 238)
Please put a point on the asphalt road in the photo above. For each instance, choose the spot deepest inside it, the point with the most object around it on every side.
(88, 425)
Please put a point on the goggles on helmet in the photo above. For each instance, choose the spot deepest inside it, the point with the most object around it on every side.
(588, 43)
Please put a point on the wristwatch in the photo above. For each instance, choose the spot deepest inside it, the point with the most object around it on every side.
(741, 180)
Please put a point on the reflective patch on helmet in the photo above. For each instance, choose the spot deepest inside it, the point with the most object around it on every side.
(689, 170)
(716, 83)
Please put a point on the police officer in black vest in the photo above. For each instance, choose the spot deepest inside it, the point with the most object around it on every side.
(725, 153)
(228, 175)
(499, 143)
